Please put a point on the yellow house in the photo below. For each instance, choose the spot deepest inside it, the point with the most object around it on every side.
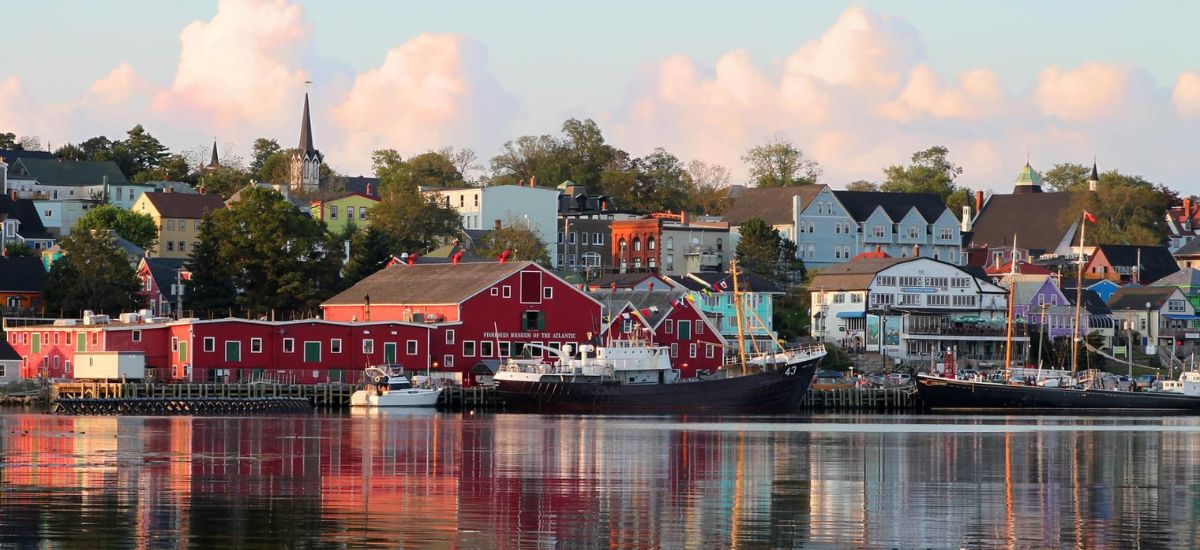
(344, 209)
(178, 218)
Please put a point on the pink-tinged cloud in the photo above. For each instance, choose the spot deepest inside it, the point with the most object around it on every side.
(977, 95)
(431, 91)
(119, 85)
(1186, 94)
(1092, 92)
(243, 64)
(860, 50)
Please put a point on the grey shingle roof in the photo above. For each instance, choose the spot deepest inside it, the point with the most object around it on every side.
(861, 204)
(1033, 217)
(1157, 261)
(69, 172)
(440, 283)
(771, 204)
(1135, 298)
(22, 274)
(26, 212)
(184, 205)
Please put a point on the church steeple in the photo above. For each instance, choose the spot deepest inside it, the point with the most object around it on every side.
(1028, 181)
(306, 161)
(214, 162)
(1094, 179)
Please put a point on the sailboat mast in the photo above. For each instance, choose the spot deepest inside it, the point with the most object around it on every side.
(1012, 281)
(737, 307)
(1078, 299)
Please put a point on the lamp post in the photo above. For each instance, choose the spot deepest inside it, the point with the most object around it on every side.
(1149, 328)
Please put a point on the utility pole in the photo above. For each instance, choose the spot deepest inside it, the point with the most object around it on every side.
(179, 293)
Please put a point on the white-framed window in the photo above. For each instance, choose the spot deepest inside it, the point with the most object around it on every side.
(505, 349)
(256, 345)
(674, 351)
(487, 348)
(210, 343)
(468, 348)
(692, 350)
(289, 345)
(333, 212)
(597, 238)
(137, 336)
(506, 292)
(548, 292)
(174, 343)
(946, 234)
(670, 326)
(335, 345)
(411, 347)
(450, 336)
(448, 361)
(368, 346)
(710, 351)
(494, 291)
(913, 232)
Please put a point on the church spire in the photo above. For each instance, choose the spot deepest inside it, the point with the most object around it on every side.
(1093, 180)
(214, 162)
(306, 141)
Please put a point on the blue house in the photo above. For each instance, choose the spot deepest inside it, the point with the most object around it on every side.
(838, 225)
(713, 294)
(1104, 289)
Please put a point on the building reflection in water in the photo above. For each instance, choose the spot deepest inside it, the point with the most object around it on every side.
(505, 481)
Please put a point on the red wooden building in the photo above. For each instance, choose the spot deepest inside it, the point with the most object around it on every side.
(482, 310)
(666, 318)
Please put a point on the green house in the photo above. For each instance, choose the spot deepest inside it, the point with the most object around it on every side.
(345, 209)
(1187, 281)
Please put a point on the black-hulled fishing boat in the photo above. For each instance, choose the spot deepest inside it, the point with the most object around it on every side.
(632, 376)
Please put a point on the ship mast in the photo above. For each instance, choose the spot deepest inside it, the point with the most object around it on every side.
(737, 307)
(1078, 299)
(1012, 281)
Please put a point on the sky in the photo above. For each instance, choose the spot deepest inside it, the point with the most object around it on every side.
(857, 86)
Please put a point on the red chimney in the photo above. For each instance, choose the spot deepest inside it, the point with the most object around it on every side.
(916, 250)
(978, 202)
(532, 181)
(1187, 208)
(368, 189)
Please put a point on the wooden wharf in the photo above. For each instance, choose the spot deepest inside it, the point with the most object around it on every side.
(321, 396)
(153, 406)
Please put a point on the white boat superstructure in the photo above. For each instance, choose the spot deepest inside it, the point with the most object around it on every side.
(1188, 384)
(625, 361)
(392, 388)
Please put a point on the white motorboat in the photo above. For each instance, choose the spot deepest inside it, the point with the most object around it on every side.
(392, 388)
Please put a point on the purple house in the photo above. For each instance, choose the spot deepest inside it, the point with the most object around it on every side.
(1038, 300)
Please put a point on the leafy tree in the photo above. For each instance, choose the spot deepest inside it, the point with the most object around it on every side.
(761, 250)
(779, 163)
(224, 180)
(862, 185)
(263, 149)
(135, 227)
(660, 184)
(708, 188)
(529, 157)
(515, 236)
(97, 148)
(172, 168)
(276, 168)
(16, 249)
(1129, 210)
(370, 250)
(8, 141)
(276, 258)
(388, 165)
(144, 150)
(70, 152)
(434, 170)
(930, 172)
(414, 221)
(1066, 177)
(94, 273)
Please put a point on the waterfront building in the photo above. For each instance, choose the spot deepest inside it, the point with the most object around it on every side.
(22, 280)
(713, 294)
(498, 206)
(838, 225)
(178, 217)
(482, 310)
(910, 308)
(1187, 281)
(692, 246)
(1163, 313)
(1129, 263)
(1037, 218)
(1038, 301)
(346, 209)
(162, 283)
(10, 363)
(664, 319)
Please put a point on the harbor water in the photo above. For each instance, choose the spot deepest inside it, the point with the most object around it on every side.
(422, 479)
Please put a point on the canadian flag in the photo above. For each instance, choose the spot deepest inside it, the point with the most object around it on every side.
(185, 275)
(1089, 217)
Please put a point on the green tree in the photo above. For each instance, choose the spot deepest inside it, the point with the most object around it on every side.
(862, 185)
(224, 180)
(276, 258)
(15, 249)
(414, 221)
(762, 251)
(1129, 210)
(1066, 177)
(135, 227)
(930, 172)
(144, 150)
(70, 152)
(211, 290)
(528, 157)
(779, 163)
(8, 141)
(94, 273)
(660, 184)
(263, 149)
(515, 236)
(173, 167)
(370, 251)
(431, 169)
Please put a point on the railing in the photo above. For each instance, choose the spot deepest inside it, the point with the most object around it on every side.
(967, 330)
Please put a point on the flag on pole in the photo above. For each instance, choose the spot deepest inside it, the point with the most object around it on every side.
(457, 257)
(185, 275)
(723, 285)
(653, 309)
(503, 257)
(1089, 217)
(412, 258)
(675, 304)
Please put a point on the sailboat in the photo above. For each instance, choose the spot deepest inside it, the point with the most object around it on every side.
(942, 392)
(636, 376)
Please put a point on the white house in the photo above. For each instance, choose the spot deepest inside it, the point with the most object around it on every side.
(921, 306)
(484, 208)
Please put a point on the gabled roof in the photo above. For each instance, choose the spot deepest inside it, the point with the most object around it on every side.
(1135, 298)
(861, 204)
(1091, 302)
(852, 275)
(183, 205)
(11, 155)
(1023, 268)
(7, 353)
(69, 172)
(772, 204)
(24, 211)
(1186, 278)
(340, 196)
(22, 274)
(163, 271)
(1190, 248)
(359, 184)
(628, 280)
(1157, 261)
(432, 283)
(660, 302)
(1033, 217)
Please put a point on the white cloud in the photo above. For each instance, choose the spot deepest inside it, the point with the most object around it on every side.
(1093, 91)
(1186, 95)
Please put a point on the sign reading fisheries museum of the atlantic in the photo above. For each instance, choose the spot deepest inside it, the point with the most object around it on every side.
(552, 335)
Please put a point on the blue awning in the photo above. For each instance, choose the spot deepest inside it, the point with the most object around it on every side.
(851, 314)
(1178, 317)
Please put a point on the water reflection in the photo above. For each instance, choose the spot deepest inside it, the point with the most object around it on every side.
(504, 481)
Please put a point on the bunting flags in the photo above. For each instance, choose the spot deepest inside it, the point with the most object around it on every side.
(723, 285)
(503, 257)
(676, 303)
(691, 298)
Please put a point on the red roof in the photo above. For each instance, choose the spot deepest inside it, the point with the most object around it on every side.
(875, 254)
(1023, 268)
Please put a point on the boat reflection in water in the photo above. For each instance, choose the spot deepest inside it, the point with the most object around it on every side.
(409, 478)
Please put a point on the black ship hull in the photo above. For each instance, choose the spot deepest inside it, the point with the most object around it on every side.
(773, 391)
(943, 393)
